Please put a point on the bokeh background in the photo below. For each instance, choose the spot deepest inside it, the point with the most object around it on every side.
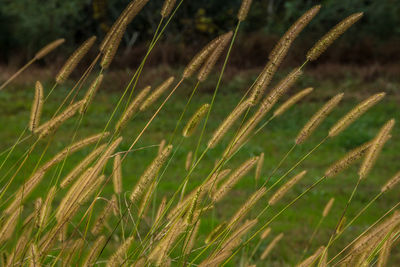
(364, 61)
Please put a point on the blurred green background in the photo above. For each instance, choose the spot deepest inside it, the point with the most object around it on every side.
(27, 25)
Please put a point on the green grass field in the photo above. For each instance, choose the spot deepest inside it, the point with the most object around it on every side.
(299, 221)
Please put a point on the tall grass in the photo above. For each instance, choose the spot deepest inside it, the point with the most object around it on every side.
(138, 227)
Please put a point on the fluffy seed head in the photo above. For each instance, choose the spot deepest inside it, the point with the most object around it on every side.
(117, 174)
(157, 93)
(51, 125)
(74, 59)
(331, 36)
(354, 114)
(265, 233)
(37, 106)
(195, 120)
(48, 48)
(244, 10)
(271, 246)
(347, 160)
(167, 8)
(291, 101)
(391, 183)
(241, 171)
(150, 173)
(132, 109)
(188, 161)
(259, 166)
(227, 123)
(90, 93)
(375, 148)
(214, 56)
(328, 207)
(285, 188)
(200, 57)
(318, 118)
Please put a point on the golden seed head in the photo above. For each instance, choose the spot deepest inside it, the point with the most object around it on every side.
(74, 59)
(227, 123)
(328, 207)
(271, 245)
(150, 173)
(188, 161)
(157, 93)
(292, 101)
(265, 233)
(318, 118)
(375, 148)
(347, 160)
(132, 109)
(195, 120)
(37, 106)
(93, 88)
(332, 35)
(259, 166)
(167, 8)
(391, 183)
(200, 57)
(231, 181)
(48, 48)
(244, 10)
(354, 114)
(214, 56)
(117, 174)
(285, 188)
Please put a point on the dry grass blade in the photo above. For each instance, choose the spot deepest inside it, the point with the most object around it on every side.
(331, 36)
(194, 121)
(375, 148)
(37, 106)
(73, 60)
(318, 118)
(355, 113)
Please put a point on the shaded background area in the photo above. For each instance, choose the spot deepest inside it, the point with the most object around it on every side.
(27, 25)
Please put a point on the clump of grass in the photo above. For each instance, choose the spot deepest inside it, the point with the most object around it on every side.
(75, 220)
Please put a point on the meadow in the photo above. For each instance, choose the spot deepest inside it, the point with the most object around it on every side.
(139, 232)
